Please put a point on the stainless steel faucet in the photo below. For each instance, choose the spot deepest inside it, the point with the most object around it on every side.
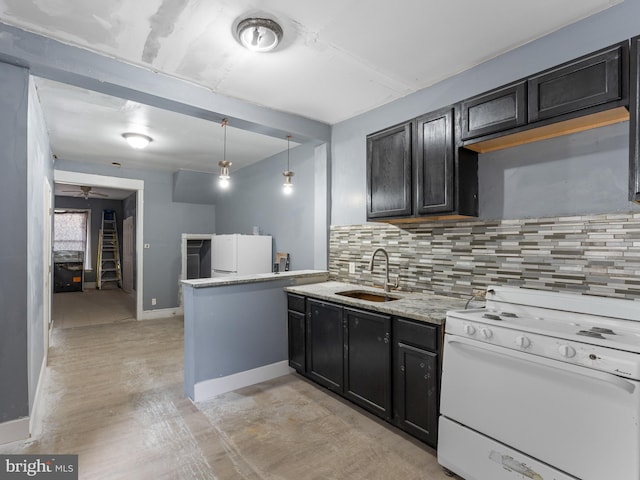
(387, 284)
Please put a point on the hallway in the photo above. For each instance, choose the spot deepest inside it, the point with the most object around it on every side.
(113, 395)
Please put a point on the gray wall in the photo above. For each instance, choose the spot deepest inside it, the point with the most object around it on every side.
(14, 401)
(582, 173)
(579, 174)
(256, 199)
(96, 205)
(40, 167)
(164, 222)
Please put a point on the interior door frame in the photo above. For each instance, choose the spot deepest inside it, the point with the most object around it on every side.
(90, 179)
(127, 254)
(48, 265)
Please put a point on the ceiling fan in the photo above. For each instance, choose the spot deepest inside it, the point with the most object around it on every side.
(85, 191)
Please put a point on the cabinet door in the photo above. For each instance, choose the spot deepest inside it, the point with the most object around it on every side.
(325, 344)
(494, 111)
(434, 172)
(591, 80)
(634, 123)
(297, 351)
(389, 172)
(416, 392)
(368, 361)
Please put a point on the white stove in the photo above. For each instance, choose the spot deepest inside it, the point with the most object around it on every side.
(547, 382)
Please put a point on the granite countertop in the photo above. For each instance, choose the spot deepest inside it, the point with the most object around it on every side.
(426, 307)
(254, 278)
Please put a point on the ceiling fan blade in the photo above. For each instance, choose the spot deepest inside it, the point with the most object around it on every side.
(99, 194)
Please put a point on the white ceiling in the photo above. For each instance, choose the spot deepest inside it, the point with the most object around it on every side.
(87, 126)
(338, 59)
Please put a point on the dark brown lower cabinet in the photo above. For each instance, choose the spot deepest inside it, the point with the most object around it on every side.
(325, 344)
(367, 361)
(297, 351)
(389, 366)
(416, 392)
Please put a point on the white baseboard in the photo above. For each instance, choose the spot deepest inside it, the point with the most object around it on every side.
(34, 417)
(14, 430)
(161, 313)
(216, 386)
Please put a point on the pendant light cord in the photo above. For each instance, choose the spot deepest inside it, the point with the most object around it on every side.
(224, 151)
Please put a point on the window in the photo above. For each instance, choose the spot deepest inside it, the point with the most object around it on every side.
(71, 232)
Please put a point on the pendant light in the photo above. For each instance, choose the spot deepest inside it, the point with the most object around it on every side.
(224, 165)
(287, 186)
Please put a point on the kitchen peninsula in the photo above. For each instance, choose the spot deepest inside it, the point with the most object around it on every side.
(235, 330)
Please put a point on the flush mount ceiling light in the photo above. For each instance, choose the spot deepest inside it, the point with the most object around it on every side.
(287, 186)
(259, 34)
(224, 165)
(137, 140)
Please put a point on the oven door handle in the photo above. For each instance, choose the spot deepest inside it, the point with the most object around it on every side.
(609, 378)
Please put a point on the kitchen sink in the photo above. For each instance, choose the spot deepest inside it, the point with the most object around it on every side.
(368, 296)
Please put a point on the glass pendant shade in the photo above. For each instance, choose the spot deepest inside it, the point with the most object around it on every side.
(287, 186)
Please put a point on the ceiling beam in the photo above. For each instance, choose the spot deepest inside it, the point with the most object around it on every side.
(54, 60)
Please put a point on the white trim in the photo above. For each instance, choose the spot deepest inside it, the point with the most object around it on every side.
(47, 280)
(161, 313)
(216, 386)
(14, 430)
(37, 408)
(77, 178)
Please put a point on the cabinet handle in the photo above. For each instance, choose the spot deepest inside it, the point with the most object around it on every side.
(402, 368)
(386, 340)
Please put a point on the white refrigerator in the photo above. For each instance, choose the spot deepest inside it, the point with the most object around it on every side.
(237, 254)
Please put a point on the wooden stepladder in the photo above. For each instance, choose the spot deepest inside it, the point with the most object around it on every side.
(109, 270)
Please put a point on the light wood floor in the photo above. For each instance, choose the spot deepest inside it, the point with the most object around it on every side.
(113, 395)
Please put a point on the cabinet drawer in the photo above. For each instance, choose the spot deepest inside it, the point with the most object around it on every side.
(586, 82)
(295, 303)
(417, 334)
(494, 111)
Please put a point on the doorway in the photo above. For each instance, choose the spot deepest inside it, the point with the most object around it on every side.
(137, 186)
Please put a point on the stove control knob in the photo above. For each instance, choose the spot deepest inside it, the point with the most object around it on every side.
(522, 341)
(486, 333)
(469, 329)
(567, 351)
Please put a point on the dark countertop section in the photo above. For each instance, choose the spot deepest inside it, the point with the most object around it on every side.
(426, 307)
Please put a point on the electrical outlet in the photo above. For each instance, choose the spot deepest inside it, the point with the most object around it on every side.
(153, 301)
(352, 267)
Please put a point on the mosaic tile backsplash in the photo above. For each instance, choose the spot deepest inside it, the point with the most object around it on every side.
(596, 254)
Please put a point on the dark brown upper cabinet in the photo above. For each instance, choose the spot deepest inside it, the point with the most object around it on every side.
(389, 165)
(595, 79)
(634, 123)
(434, 163)
(588, 92)
(495, 111)
(413, 171)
